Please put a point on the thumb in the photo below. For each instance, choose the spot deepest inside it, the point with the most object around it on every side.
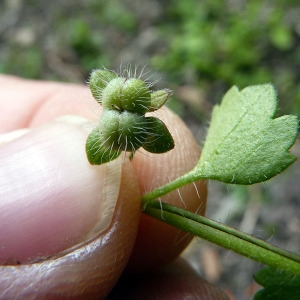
(55, 205)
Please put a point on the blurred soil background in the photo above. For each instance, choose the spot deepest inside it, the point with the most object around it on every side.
(199, 49)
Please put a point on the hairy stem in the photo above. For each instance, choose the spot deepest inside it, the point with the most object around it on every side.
(225, 236)
(169, 187)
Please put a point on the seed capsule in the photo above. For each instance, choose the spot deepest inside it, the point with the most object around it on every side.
(123, 125)
(126, 94)
(124, 131)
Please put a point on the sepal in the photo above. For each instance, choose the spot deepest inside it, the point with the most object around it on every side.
(159, 139)
(97, 152)
(158, 99)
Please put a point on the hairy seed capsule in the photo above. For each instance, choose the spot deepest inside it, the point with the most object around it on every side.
(123, 125)
(124, 131)
(130, 94)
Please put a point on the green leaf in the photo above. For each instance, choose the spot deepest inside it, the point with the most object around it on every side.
(270, 276)
(245, 143)
(277, 285)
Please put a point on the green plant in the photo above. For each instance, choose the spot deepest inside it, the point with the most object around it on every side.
(245, 144)
(123, 124)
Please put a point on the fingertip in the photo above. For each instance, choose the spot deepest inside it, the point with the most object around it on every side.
(52, 198)
(76, 268)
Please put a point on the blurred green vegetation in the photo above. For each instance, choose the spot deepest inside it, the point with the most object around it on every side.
(209, 45)
(52, 40)
(217, 44)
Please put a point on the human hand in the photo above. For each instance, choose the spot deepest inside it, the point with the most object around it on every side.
(68, 229)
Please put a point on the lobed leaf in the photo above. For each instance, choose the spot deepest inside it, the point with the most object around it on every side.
(245, 143)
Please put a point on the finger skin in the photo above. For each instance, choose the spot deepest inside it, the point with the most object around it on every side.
(175, 282)
(88, 272)
(157, 243)
(35, 103)
(29, 103)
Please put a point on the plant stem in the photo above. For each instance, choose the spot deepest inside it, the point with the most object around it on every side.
(169, 187)
(225, 236)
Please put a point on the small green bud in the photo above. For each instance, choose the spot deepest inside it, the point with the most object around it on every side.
(98, 81)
